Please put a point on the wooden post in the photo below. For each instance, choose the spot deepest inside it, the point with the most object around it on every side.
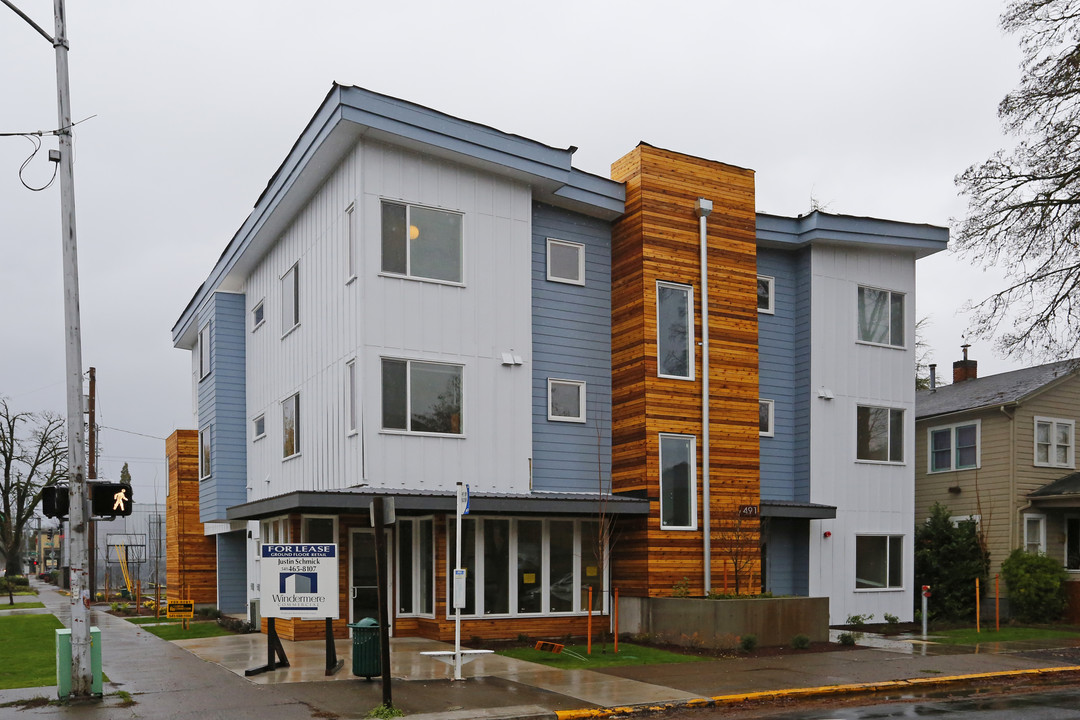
(588, 641)
(138, 596)
(997, 603)
(977, 629)
(616, 621)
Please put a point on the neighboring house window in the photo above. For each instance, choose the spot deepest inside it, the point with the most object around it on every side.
(1035, 533)
(204, 451)
(421, 242)
(350, 244)
(350, 389)
(1072, 542)
(678, 490)
(766, 410)
(765, 302)
(565, 262)
(881, 317)
(421, 397)
(879, 562)
(566, 400)
(204, 351)
(954, 447)
(259, 427)
(674, 331)
(1053, 442)
(290, 426)
(879, 434)
(258, 316)
(290, 299)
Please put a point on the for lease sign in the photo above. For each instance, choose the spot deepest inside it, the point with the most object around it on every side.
(299, 580)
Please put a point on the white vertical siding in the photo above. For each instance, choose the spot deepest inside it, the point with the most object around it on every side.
(378, 316)
(870, 498)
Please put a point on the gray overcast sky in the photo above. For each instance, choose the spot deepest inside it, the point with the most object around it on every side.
(871, 108)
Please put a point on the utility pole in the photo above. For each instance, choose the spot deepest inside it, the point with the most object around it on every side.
(76, 451)
(91, 474)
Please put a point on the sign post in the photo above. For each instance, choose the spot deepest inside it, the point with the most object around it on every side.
(459, 576)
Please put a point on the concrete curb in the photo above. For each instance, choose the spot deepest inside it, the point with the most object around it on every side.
(822, 691)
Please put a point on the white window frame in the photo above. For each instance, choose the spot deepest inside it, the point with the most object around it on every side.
(770, 309)
(350, 243)
(892, 342)
(1053, 445)
(580, 247)
(259, 309)
(1041, 539)
(290, 299)
(580, 385)
(408, 243)
(351, 406)
(888, 562)
(204, 351)
(692, 444)
(255, 422)
(690, 318)
(296, 450)
(275, 530)
(889, 443)
(408, 400)
(206, 450)
(415, 524)
(953, 450)
(771, 431)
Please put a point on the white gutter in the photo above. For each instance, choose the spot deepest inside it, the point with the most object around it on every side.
(703, 207)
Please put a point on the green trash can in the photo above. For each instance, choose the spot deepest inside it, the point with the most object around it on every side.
(366, 650)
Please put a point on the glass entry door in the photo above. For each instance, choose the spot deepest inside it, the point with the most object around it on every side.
(364, 577)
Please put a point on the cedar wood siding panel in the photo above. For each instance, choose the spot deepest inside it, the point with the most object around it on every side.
(195, 578)
(658, 239)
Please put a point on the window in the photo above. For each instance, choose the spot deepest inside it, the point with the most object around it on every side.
(674, 331)
(350, 398)
(678, 491)
(765, 294)
(290, 426)
(204, 452)
(1053, 442)
(316, 529)
(565, 262)
(290, 299)
(1072, 542)
(350, 244)
(258, 316)
(1035, 533)
(259, 427)
(416, 567)
(881, 317)
(421, 397)
(275, 530)
(879, 434)
(566, 400)
(204, 351)
(765, 417)
(879, 562)
(421, 242)
(954, 447)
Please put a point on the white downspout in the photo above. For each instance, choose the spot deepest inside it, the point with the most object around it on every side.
(703, 207)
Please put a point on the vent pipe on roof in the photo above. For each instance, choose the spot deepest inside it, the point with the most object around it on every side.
(702, 208)
(933, 377)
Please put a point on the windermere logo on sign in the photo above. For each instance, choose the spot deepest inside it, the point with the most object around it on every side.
(299, 580)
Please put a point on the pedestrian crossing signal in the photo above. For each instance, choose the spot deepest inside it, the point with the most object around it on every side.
(54, 501)
(110, 499)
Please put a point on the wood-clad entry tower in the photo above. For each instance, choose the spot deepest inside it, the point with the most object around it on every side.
(658, 240)
(191, 555)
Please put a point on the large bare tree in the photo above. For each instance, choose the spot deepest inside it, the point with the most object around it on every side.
(1024, 203)
(33, 454)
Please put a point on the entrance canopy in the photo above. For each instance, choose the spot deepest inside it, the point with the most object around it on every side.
(801, 510)
(1062, 493)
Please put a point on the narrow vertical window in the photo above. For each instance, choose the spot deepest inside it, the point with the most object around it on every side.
(1034, 533)
(678, 490)
(290, 426)
(674, 331)
(258, 316)
(204, 351)
(204, 451)
(350, 389)
(290, 299)
(766, 410)
(258, 428)
(350, 242)
(765, 302)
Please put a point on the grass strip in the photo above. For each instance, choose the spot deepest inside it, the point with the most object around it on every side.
(174, 631)
(629, 654)
(28, 646)
(968, 636)
(21, 605)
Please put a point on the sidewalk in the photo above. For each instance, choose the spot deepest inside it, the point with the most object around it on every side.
(204, 678)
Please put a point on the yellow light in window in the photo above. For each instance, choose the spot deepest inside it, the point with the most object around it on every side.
(414, 232)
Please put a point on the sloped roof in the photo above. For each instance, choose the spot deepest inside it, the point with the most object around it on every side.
(992, 390)
(1068, 485)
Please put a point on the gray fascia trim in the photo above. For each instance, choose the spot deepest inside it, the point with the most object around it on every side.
(793, 233)
(808, 511)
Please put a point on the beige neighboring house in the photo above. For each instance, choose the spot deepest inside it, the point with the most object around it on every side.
(1002, 449)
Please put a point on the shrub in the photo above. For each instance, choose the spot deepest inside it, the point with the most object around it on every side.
(847, 638)
(891, 620)
(949, 557)
(681, 589)
(747, 643)
(800, 642)
(208, 613)
(859, 620)
(1036, 586)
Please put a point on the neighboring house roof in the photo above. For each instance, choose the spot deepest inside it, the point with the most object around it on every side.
(787, 233)
(1068, 485)
(349, 113)
(992, 390)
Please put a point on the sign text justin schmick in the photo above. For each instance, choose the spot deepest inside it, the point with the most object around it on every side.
(299, 580)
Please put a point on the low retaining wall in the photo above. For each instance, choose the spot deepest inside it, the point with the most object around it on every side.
(720, 623)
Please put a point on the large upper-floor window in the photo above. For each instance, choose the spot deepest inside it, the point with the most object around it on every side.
(674, 331)
(879, 434)
(204, 351)
(879, 562)
(954, 447)
(881, 316)
(765, 296)
(290, 299)
(421, 242)
(1054, 442)
(421, 397)
(290, 426)
(678, 484)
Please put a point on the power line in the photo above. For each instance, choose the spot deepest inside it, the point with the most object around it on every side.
(130, 432)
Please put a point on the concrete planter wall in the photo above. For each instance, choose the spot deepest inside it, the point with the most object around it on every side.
(720, 623)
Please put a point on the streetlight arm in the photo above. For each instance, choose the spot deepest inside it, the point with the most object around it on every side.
(30, 22)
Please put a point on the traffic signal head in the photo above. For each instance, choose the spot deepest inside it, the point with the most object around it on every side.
(55, 501)
(110, 499)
